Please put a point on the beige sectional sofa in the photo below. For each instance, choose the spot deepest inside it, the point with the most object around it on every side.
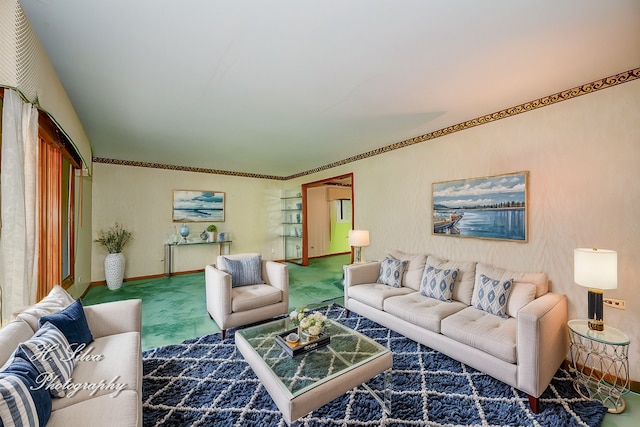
(105, 387)
(523, 348)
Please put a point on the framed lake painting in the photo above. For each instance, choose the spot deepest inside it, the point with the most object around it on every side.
(198, 206)
(493, 207)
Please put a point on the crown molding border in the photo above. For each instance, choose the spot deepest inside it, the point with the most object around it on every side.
(184, 168)
(565, 95)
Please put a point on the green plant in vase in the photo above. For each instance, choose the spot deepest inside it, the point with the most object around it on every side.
(114, 239)
(211, 233)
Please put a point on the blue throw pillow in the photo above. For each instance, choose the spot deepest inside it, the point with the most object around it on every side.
(391, 271)
(438, 283)
(72, 322)
(493, 295)
(23, 401)
(246, 271)
(49, 352)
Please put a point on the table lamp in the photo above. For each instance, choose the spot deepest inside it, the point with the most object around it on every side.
(358, 239)
(596, 269)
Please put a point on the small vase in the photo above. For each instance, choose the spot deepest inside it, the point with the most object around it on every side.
(184, 232)
(307, 337)
(211, 236)
(114, 270)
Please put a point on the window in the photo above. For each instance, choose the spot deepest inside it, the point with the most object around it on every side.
(58, 161)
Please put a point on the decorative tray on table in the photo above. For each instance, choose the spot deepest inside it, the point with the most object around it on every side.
(293, 348)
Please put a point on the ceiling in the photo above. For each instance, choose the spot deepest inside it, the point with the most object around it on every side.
(282, 87)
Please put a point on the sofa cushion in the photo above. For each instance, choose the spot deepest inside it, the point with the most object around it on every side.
(413, 271)
(521, 295)
(391, 272)
(246, 271)
(249, 297)
(102, 411)
(420, 310)
(48, 351)
(374, 294)
(72, 322)
(484, 331)
(492, 295)
(22, 401)
(108, 366)
(463, 286)
(437, 283)
(56, 300)
(523, 282)
(11, 336)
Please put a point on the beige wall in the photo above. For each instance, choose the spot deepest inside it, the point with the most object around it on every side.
(141, 199)
(583, 156)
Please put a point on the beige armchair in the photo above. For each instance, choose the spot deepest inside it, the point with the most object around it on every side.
(237, 306)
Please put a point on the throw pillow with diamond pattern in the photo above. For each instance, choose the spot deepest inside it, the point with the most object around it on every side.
(391, 271)
(437, 283)
(493, 295)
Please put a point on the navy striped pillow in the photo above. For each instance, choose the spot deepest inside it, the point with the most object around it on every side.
(49, 352)
(23, 402)
(245, 271)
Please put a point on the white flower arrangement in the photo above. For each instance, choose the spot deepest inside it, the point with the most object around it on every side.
(313, 324)
(297, 315)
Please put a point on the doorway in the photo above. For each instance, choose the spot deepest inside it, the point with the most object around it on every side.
(327, 209)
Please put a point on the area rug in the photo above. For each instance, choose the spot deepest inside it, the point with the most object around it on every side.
(206, 382)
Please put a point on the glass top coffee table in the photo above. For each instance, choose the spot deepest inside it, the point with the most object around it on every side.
(303, 383)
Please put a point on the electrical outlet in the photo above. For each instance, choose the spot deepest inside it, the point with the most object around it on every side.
(615, 303)
(273, 250)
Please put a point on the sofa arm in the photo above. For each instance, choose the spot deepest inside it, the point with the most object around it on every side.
(276, 274)
(543, 341)
(358, 274)
(116, 317)
(218, 292)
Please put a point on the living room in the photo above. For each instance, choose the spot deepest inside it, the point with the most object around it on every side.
(581, 155)
(574, 181)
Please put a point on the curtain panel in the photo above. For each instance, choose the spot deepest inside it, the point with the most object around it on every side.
(18, 204)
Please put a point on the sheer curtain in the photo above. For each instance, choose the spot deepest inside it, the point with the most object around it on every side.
(18, 204)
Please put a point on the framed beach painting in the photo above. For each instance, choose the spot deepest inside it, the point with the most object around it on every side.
(198, 206)
(493, 207)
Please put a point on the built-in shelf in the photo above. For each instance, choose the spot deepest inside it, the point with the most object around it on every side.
(292, 225)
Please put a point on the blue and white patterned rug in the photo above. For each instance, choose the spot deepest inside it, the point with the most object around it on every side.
(206, 382)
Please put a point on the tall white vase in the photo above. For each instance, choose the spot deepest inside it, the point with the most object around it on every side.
(114, 270)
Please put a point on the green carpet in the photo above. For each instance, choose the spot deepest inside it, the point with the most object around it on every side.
(174, 309)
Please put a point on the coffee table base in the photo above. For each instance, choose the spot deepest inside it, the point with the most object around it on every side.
(293, 408)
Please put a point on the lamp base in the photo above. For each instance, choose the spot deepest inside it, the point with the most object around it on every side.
(596, 325)
(596, 322)
(358, 255)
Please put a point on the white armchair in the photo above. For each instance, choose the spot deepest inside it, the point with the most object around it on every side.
(241, 305)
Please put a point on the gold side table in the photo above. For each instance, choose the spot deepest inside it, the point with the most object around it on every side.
(600, 360)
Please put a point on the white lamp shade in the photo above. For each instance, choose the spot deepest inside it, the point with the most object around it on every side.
(595, 268)
(359, 238)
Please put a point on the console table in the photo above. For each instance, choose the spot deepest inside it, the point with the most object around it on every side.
(600, 360)
(224, 248)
